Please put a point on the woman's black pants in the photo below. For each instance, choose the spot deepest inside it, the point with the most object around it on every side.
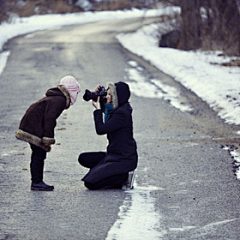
(91, 159)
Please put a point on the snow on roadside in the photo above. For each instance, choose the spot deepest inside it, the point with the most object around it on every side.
(217, 85)
(196, 70)
(236, 155)
(154, 88)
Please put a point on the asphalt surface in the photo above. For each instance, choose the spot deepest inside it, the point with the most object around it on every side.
(180, 153)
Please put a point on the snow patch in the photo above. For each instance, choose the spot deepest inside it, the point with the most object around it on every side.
(138, 218)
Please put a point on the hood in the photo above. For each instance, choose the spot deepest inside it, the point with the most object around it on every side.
(120, 93)
(59, 91)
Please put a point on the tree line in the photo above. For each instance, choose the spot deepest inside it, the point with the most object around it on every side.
(207, 24)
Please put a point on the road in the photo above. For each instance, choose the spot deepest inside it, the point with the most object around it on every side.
(189, 176)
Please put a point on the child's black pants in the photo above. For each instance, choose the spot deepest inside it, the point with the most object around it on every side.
(37, 163)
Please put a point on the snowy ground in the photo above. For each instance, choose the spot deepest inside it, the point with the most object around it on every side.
(199, 71)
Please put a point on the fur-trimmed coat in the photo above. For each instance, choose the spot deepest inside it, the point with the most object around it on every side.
(38, 123)
(122, 154)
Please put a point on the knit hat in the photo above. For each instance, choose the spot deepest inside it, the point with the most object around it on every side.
(73, 87)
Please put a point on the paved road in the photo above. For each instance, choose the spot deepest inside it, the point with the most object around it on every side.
(196, 194)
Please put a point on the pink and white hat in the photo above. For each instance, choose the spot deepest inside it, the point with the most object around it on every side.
(73, 87)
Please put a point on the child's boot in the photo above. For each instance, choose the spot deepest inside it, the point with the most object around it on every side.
(42, 186)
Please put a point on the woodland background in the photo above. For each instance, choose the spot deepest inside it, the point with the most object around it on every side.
(202, 24)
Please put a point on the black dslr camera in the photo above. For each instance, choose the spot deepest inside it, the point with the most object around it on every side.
(102, 93)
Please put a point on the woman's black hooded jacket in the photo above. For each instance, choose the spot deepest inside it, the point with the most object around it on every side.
(122, 149)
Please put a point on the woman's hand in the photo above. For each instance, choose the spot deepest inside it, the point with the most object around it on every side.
(97, 103)
(97, 88)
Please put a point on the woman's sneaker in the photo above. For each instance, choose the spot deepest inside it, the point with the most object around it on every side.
(42, 186)
(129, 183)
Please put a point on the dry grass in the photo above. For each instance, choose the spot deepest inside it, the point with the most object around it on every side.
(232, 63)
(41, 7)
(121, 5)
(117, 5)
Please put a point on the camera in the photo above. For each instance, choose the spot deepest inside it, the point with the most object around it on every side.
(102, 93)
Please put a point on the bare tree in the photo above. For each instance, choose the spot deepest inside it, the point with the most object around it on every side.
(191, 24)
(222, 25)
(211, 24)
(3, 12)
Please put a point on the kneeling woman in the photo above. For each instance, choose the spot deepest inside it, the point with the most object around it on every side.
(111, 169)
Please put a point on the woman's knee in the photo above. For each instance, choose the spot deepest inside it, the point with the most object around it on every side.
(81, 158)
(90, 186)
(90, 159)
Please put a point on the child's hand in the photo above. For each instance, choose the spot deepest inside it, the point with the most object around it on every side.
(47, 145)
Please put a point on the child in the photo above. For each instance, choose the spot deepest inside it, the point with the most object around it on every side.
(38, 123)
